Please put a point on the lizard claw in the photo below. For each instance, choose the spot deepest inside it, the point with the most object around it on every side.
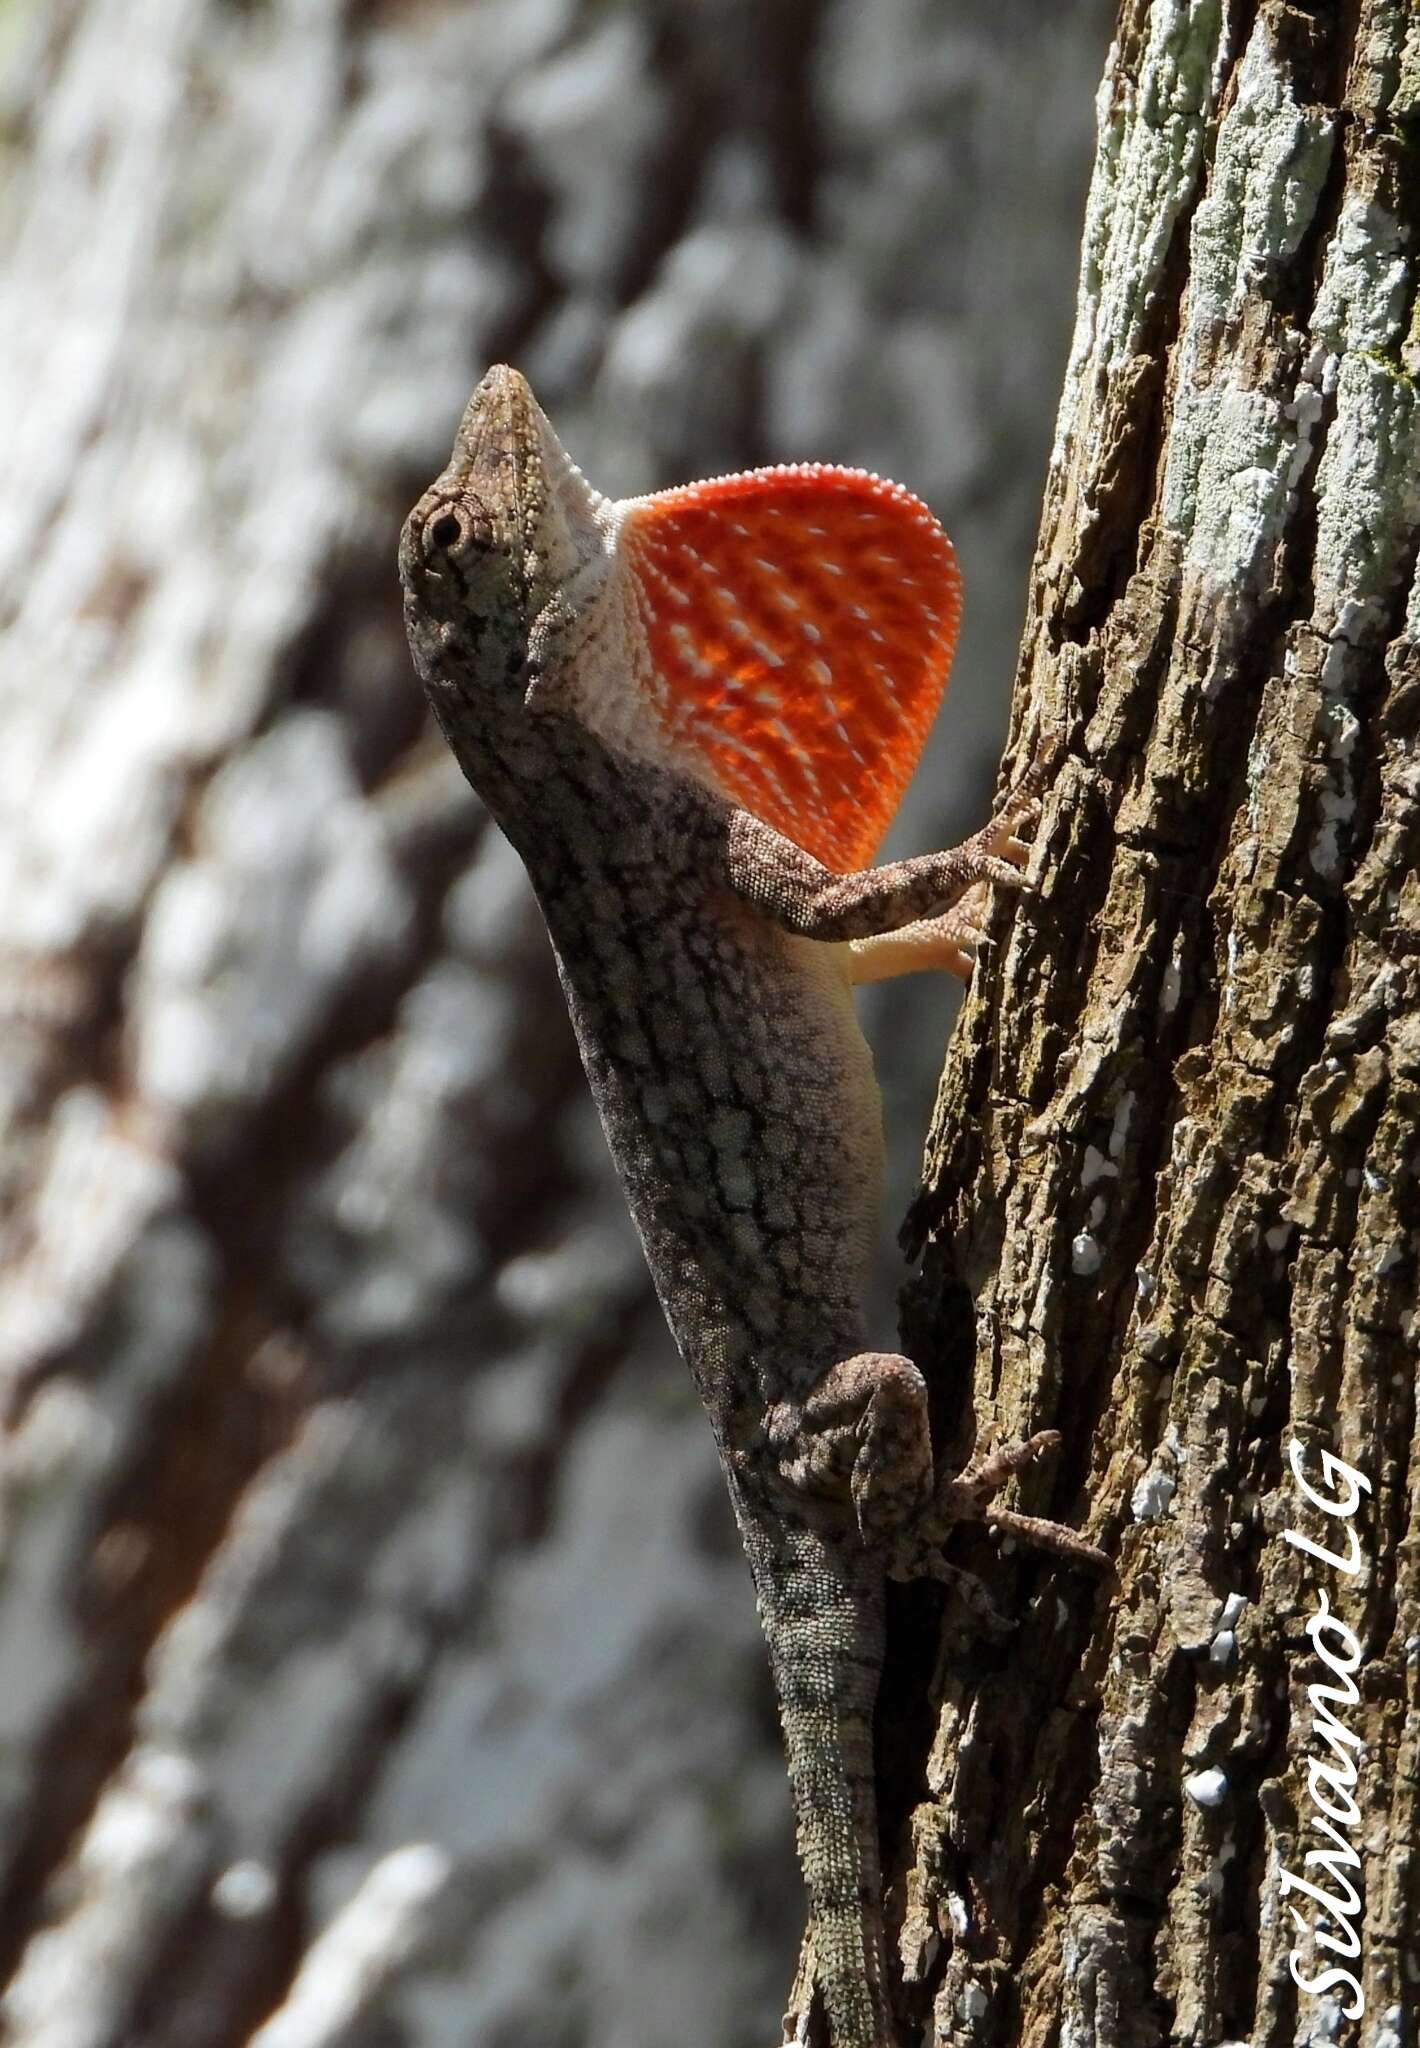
(970, 1497)
(995, 867)
(1039, 1534)
(1012, 830)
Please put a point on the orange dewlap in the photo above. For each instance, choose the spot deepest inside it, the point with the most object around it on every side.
(802, 621)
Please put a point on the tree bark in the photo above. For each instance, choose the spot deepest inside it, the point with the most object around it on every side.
(1173, 1166)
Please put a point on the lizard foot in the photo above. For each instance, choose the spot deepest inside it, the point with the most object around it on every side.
(970, 1496)
(954, 942)
(1011, 831)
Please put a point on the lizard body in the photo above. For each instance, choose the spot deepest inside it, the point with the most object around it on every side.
(707, 958)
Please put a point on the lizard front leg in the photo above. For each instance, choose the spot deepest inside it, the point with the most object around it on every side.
(778, 878)
(954, 940)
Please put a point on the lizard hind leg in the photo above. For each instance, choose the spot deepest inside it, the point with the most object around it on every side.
(863, 1428)
(971, 1496)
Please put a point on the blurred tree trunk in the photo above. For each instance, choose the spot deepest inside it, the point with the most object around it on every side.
(346, 1696)
(1174, 1161)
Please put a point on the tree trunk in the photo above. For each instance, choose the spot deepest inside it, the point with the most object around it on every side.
(1174, 1159)
(345, 1696)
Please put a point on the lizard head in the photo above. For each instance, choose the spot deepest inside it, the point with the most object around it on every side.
(781, 636)
(500, 543)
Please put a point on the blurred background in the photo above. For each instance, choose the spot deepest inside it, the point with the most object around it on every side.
(377, 1665)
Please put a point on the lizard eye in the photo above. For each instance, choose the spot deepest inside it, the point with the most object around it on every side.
(461, 529)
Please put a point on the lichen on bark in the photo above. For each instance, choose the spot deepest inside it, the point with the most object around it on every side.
(1174, 1156)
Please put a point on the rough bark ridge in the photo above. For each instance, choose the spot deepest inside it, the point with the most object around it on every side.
(1175, 1153)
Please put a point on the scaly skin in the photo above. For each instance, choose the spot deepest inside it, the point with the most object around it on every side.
(706, 963)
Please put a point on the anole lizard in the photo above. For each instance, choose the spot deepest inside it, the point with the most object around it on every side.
(693, 714)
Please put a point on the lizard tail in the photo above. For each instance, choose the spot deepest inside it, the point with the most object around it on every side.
(821, 1607)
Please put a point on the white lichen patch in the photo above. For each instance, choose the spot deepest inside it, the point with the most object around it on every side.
(1096, 1167)
(244, 1890)
(98, 1187)
(143, 1846)
(1170, 988)
(1119, 1129)
(1368, 483)
(1236, 454)
(1325, 850)
(1361, 302)
(1207, 1788)
(292, 895)
(1368, 492)
(590, 115)
(1085, 1255)
(973, 2004)
(1336, 801)
(1151, 136)
(1153, 1495)
(1224, 1644)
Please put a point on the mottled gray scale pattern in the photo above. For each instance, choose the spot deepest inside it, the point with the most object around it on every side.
(705, 963)
(704, 1043)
